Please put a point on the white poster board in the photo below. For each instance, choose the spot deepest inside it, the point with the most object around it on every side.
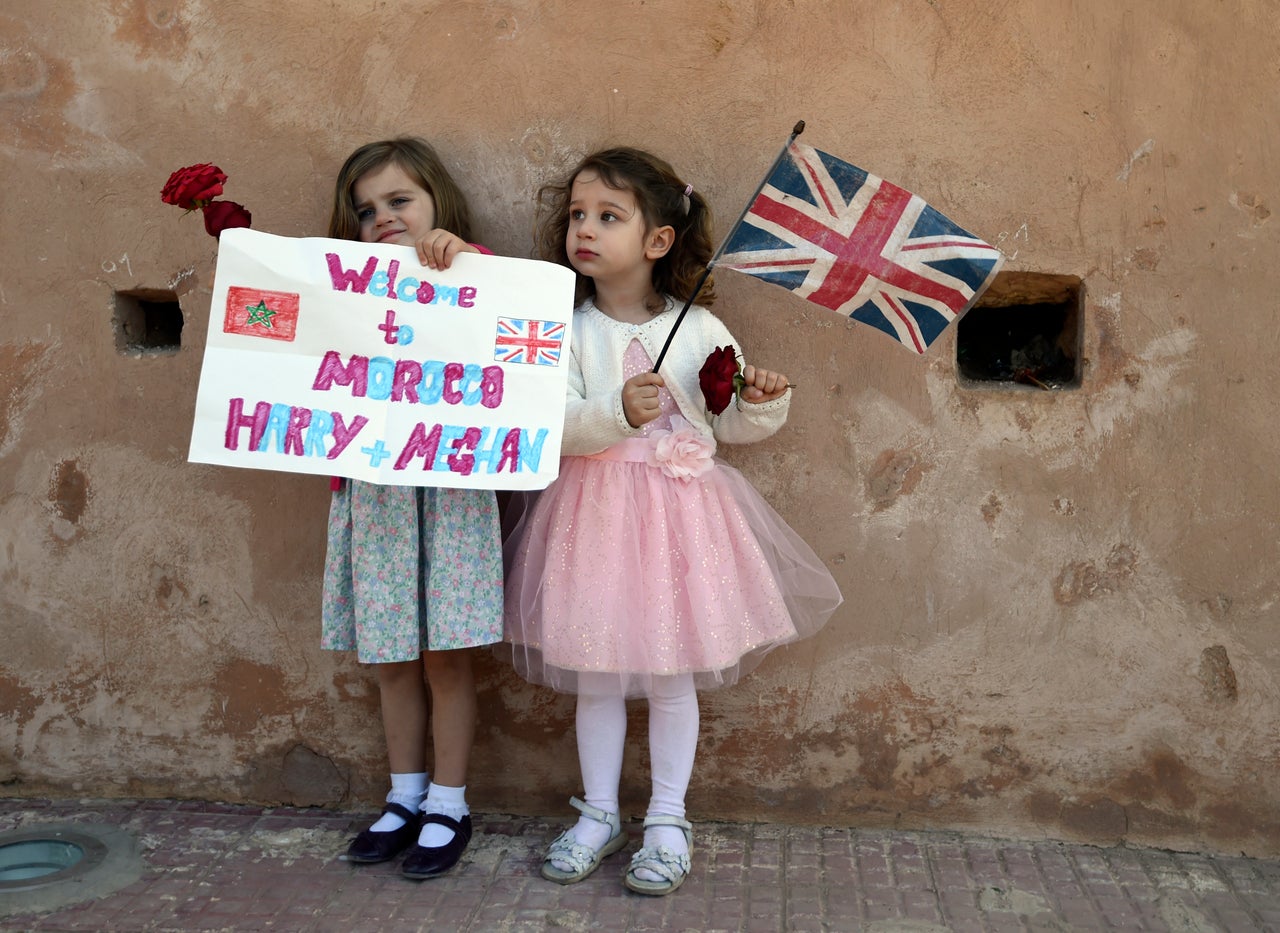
(351, 359)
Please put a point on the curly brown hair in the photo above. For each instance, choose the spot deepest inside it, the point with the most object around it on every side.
(421, 163)
(659, 193)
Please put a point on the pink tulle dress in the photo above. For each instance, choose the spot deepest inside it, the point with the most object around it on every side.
(620, 568)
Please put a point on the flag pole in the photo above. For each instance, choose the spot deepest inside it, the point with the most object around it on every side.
(702, 280)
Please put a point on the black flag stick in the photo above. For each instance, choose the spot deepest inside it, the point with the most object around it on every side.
(795, 131)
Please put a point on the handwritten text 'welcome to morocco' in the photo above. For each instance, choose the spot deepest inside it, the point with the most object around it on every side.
(307, 432)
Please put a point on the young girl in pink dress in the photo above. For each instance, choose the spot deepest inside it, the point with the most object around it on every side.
(648, 568)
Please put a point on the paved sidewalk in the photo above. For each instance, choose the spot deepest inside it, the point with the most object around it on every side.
(207, 866)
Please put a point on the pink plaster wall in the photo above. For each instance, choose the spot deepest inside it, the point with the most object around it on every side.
(1061, 605)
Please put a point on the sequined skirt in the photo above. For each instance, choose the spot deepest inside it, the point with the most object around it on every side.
(621, 569)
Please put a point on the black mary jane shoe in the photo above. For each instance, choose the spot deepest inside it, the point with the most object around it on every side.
(428, 862)
(369, 847)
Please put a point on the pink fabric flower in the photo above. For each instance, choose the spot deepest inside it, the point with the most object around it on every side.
(684, 452)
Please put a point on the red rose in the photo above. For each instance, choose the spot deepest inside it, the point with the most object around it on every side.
(193, 186)
(720, 378)
(219, 215)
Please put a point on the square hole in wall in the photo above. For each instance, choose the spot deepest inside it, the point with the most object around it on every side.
(147, 320)
(1024, 331)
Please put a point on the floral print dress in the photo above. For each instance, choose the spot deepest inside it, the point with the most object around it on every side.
(410, 569)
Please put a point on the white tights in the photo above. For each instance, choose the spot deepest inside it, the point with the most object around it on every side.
(673, 741)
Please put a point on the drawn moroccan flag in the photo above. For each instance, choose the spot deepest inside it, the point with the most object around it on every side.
(846, 240)
(521, 341)
(257, 312)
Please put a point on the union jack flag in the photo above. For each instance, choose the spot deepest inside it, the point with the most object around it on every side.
(849, 241)
(528, 341)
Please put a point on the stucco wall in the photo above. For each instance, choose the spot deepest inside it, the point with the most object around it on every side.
(1061, 605)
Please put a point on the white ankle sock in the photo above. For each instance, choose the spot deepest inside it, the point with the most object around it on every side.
(449, 801)
(406, 790)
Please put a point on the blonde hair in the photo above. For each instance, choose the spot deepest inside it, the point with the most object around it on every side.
(421, 163)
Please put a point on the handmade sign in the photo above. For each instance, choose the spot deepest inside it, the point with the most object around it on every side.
(351, 359)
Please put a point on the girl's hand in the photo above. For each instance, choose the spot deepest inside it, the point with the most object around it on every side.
(640, 398)
(762, 385)
(437, 248)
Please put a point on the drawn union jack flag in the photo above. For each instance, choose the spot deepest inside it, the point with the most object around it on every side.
(849, 241)
(527, 341)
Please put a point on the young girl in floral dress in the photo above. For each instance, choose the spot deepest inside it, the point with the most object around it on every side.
(413, 575)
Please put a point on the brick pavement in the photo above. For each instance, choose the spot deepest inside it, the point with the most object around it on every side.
(214, 867)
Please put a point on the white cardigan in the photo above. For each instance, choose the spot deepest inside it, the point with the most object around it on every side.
(594, 418)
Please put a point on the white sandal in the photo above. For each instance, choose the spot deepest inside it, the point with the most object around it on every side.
(661, 860)
(583, 859)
